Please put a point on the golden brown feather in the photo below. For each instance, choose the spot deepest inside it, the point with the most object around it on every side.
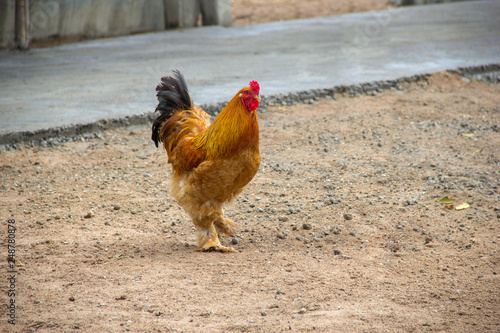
(211, 163)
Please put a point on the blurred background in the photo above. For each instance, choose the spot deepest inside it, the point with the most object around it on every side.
(40, 23)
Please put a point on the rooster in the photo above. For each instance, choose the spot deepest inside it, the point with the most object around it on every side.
(211, 163)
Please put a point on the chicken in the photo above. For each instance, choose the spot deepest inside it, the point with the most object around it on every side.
(211, 163)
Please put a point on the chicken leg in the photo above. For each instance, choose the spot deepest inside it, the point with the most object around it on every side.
(207, 236)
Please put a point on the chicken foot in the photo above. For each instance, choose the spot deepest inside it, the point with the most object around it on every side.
(207, 236)
(209, 241)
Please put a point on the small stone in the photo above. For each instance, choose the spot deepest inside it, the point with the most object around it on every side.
(263, 313)
(417, 229)
(235, 241)
(143, 156)
(336, 230)
(72, 299)
(306, 226)
(107, 223)
(116, 206)
(89, 215)
(336, 252)
(400, 227)
(352, 233)
(347, 217)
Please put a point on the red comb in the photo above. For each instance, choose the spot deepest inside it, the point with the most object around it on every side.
(255, 87)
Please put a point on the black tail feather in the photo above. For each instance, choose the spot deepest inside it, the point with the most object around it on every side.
(173, 95)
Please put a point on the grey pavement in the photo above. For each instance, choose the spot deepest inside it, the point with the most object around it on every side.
(78, 84)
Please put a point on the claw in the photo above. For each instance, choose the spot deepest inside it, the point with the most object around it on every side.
(219, 248)
(214, 245)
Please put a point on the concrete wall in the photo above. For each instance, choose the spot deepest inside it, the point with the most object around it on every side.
(185, 13)
(7, 22)
(100, 18)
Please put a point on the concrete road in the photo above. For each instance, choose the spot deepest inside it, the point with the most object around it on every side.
(113, 78)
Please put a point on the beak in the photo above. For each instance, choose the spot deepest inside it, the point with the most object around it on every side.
(257, 97)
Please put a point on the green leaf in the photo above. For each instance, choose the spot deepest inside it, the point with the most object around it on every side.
(446, 201)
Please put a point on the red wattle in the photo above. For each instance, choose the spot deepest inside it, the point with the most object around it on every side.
(250, 104)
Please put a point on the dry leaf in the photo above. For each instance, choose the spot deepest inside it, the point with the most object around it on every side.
(468, 135)
(281, 108)
(462, 206)
(15, 261)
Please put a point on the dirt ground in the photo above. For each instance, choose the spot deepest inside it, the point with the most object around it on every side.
(341, 230)
(261, 11)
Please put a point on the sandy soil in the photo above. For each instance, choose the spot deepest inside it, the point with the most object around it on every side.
(340, 231)
(261, 11)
